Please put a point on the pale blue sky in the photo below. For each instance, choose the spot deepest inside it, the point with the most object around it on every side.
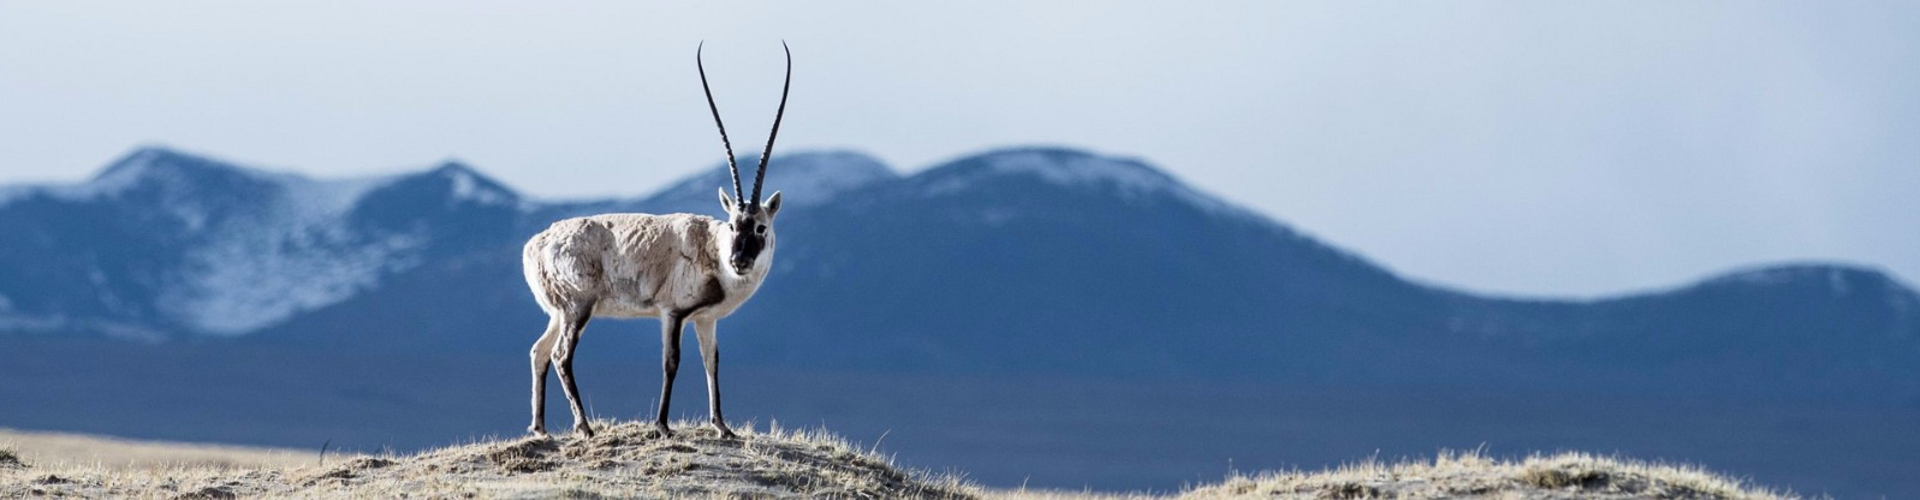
(1518, 147)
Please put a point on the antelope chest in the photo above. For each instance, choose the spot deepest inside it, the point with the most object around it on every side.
(733, 293)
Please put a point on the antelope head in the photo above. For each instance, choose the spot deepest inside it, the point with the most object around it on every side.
(749, 220)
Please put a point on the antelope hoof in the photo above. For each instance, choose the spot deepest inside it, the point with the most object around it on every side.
(586, 431)
(661, 427)
(537, 430)
(725, 433)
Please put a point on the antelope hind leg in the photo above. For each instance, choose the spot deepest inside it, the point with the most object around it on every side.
(670, 326)
(563, 358)
(541, 356)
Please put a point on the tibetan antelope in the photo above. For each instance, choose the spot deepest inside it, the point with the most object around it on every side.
(679, 268)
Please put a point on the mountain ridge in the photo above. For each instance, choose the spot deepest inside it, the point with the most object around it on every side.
(131, 169)
(174, 246)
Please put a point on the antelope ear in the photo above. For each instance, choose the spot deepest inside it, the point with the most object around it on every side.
(726, 202)
(773, 204)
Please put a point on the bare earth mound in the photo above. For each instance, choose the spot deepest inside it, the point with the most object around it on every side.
(627, 460)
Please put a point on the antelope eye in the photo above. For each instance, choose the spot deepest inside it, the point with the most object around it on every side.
(758, 229)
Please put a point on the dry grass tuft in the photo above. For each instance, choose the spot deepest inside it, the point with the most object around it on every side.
(10, 460)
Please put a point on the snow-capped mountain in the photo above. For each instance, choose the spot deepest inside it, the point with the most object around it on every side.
(164, 244)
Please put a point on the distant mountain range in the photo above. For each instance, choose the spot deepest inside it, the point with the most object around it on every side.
(1009, 313)
(1028, 260)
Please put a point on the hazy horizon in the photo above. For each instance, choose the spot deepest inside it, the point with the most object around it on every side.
(1512, 148)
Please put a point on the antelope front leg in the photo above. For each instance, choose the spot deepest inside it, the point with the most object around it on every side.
(710, 357)
(670, 326)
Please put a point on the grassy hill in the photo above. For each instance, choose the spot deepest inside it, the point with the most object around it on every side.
(627, 460)
(1471, 475)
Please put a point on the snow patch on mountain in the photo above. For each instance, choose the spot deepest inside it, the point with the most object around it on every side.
(465, 187)
(1131, 179)
(469, 185)
(1080, 170)
(289, 257)
(247, 284)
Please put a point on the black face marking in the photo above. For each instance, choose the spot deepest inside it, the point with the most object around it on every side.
(746, 248)
(747, 244)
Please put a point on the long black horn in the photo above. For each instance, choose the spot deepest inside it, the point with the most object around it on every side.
(761, 175)
(731, 166)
